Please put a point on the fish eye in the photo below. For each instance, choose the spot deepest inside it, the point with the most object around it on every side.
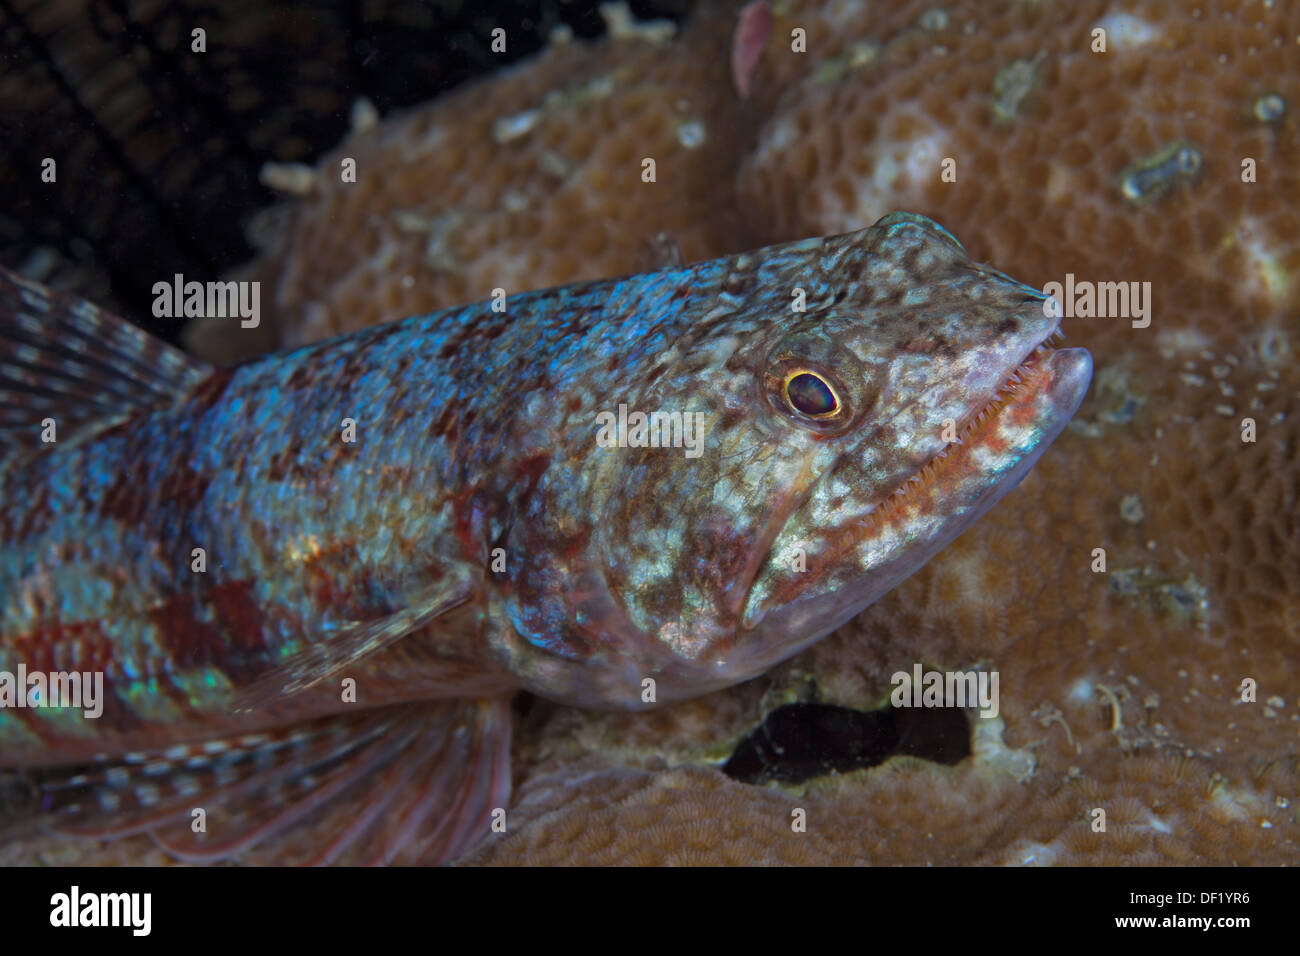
(816, 384)
(809, 393)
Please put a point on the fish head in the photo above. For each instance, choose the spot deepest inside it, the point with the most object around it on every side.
(944, 389)
(859, 401)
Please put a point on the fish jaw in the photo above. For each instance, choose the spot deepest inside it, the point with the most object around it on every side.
(864, 558)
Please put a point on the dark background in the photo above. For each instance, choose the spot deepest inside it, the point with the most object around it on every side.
(158, 149)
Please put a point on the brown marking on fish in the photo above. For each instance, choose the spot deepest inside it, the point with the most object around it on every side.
(235, 648)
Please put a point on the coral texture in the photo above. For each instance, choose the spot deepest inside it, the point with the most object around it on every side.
(543, 164)
(1121, 689)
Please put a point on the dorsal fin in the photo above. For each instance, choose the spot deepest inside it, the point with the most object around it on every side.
(66, 359)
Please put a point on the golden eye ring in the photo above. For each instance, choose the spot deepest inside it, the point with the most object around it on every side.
(811, 394)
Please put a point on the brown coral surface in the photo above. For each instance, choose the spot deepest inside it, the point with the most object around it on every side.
(543, 165)
(1170, 159)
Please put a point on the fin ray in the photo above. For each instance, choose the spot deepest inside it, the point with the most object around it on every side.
(406, 784)
(322, 658)
(64, 358)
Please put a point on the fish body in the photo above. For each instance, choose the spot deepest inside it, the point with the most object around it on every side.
(336, 564)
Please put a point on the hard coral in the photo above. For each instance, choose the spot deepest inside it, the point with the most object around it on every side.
(533, 178)
(1123, 164)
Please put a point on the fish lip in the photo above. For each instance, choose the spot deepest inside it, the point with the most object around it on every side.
(1031, 370)
(1060, 375)
(1072, 370)
(1036, 353)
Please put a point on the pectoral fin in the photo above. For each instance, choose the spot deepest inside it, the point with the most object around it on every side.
(325, 655)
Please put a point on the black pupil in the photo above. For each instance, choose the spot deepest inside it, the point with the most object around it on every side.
(811, 395)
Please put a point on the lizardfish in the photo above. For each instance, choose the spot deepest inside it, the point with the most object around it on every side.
(309, 584)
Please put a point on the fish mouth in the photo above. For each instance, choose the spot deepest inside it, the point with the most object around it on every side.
(1028, 376)
(1039, 395)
